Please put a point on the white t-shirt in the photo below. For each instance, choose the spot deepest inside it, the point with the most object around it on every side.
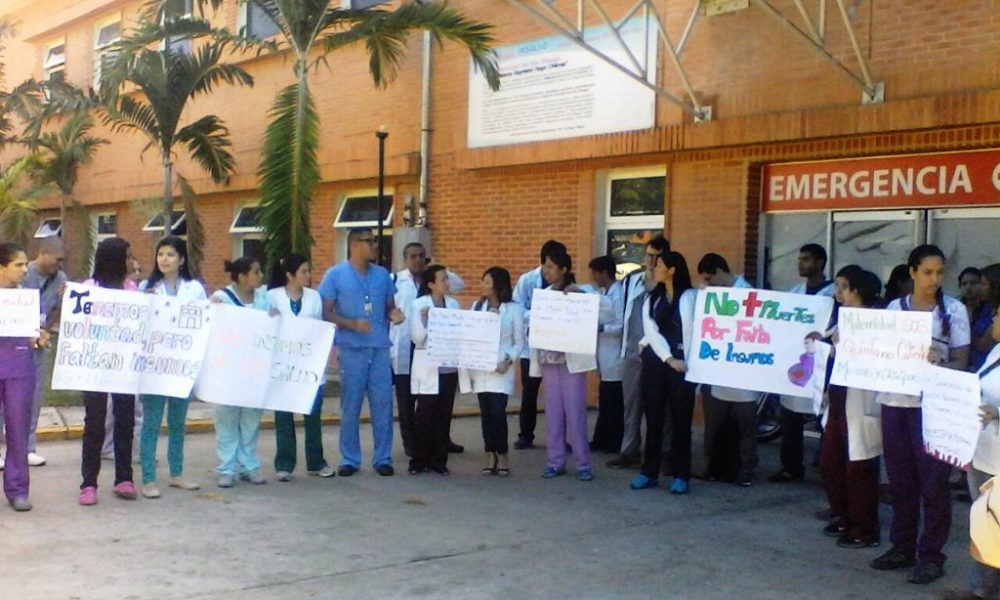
(987, 457)
(960, 336)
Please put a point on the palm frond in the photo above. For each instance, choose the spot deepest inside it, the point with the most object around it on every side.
(208, 143)
(289, 172)
(384, 34)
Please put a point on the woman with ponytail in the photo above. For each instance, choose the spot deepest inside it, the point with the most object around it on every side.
(290, 295)
(237, 427)
(918, 481)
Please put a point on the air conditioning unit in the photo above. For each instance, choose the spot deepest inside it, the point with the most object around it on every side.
(360, 4)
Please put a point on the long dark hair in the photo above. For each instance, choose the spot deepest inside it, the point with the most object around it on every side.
(290, 264)
(681, 280)
(111, 263)
(501, 285)
(894, 287)
(180, 247)
(8, 252)
(866, 285)
(430, 276)
(991, 273)
(916, 257)
(240, 266)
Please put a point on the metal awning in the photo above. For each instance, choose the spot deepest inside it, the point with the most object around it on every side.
(568, 18)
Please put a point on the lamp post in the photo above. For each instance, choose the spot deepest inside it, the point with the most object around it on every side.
(381, 134)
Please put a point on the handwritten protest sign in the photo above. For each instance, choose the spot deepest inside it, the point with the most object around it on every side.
(129, 342)
(950, 412)
(881, 350)
(758, 340)
(466, 339)
(259, 361)
(564, 322)
(20, 312)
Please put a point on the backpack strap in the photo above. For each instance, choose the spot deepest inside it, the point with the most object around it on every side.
(233, 297)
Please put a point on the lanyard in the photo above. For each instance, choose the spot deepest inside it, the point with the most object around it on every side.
(983, 373)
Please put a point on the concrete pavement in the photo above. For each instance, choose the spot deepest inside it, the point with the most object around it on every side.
(463, 536)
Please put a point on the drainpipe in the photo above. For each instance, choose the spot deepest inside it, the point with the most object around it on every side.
(419, 214)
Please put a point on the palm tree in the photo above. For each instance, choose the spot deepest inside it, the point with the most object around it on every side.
(311, 30)
(64, 151)
(18, 209)
(160, 78)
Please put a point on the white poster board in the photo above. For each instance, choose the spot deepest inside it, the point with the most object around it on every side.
(758, 340)
(464, 339)
(255, 360)
(881, 350)
(20, 313)
(551, 88)
(950, 413)
(129, 342)
(564, 322)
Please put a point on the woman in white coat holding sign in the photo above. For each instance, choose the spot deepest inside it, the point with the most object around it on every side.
(493, 388)
(433, 387)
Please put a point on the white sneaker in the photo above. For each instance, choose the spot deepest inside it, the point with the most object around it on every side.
(34, 460)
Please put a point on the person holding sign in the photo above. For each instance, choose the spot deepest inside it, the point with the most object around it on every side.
(17, 383)
(358, 299)
(852, 441)
(110, 271)
(238, 427)
(291, 296)
(432, 386)
(918, 481)
(668, 315)
(493, 388)
(564, 377)
(170, 277)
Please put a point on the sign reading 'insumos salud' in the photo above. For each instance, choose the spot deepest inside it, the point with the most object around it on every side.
(759, 340)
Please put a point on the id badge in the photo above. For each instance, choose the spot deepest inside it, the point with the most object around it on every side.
(369, 309)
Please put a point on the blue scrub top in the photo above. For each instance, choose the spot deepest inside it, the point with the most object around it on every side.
(348, 288)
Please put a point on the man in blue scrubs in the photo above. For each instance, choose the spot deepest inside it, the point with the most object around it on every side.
(358, 299)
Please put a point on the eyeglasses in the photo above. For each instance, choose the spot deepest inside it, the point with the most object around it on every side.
(365, 240)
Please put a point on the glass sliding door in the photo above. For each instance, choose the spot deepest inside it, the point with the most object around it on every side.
(875, 240)
(969, 237)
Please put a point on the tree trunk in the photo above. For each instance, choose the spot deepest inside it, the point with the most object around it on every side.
(168, 196)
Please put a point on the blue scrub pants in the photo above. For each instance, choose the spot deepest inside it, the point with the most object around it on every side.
(236, 431)
(365, 370)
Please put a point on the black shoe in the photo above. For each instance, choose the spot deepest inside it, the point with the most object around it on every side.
(623, 462)
(925, 572)
(385, 470)
(416, 469)
(439, 470)
(408, 450)
(834, 529)
(346, 470)
(784, 476)
(847, 541)
(895, 558)
(454, 448)
(523, 444)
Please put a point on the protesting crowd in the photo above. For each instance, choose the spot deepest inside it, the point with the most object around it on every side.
(645, 339)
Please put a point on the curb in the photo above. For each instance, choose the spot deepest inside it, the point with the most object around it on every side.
(75, 432)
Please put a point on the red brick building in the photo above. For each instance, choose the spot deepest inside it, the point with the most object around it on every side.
(782, 87)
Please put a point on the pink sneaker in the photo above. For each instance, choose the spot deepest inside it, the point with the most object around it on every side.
(126, 490)
(88, 496)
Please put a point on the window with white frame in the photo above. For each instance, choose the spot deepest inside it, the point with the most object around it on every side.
(248, 234)
(633, 204)
(176, 43)
(178, 223)
(106, 225)
(49, 228)
(255, 23)
(360, 209)
(54, 61)
(107, 33)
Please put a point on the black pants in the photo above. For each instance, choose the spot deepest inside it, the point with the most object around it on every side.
(493, 411)
(433, 418)
(725, 423)
(665, 395)
(96, 407)
(610, 426)
(405, 404)
(528, 415)
(791, 442)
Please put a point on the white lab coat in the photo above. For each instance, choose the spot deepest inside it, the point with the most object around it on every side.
(523, 291)
(652, 337)
(187, 289)
(312, 304)
(399, 335)
(864, 432)
(423, 375)
(511, 343)
(609, 341)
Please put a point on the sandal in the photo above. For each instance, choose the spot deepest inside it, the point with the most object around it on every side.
(492, 470)
(504, 472)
